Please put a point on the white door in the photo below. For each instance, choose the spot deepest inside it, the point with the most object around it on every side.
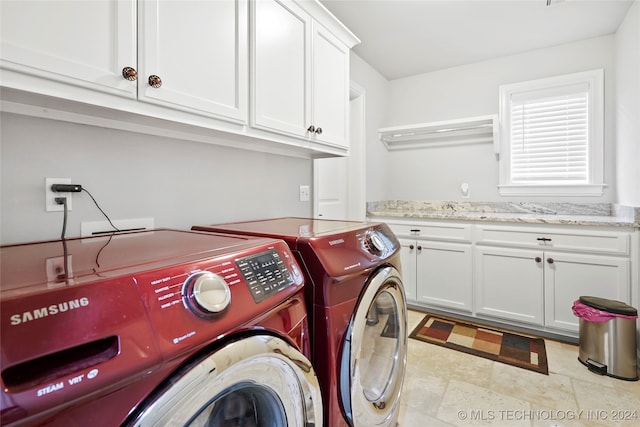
(339, 183)
(330, 181)
(83, 43)
(199, 51)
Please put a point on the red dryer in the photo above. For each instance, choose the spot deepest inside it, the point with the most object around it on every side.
(157, 327)
(358, 312)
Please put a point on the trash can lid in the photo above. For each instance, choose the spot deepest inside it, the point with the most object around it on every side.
(617, 307)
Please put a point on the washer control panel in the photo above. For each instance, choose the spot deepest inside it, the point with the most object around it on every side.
(265, 273)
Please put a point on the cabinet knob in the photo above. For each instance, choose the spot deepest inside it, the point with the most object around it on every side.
(419, 247)
(538, 259)
(130, 73)
(311, 129)
(319, 131)
(550, 260)
(155, 81)
(411, 247)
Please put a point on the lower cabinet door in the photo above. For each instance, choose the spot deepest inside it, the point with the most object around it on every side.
(444, 276)
(569, 276)
(510, 284)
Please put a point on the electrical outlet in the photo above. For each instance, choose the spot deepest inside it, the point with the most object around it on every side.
(305, 193)
(55, 267)
(50, 204)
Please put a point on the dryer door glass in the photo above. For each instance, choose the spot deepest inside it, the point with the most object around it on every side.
(374, 359)
(380, 346)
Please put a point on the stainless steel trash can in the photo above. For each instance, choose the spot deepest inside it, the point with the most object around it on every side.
(608, 337)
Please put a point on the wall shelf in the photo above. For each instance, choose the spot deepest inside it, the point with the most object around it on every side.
(473, 130)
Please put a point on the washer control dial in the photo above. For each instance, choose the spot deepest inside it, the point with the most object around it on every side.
(207, 293)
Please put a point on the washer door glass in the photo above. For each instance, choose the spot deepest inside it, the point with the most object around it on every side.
(377, 352)
(244, 405)
(253, 382)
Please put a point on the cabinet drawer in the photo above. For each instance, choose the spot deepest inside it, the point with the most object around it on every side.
(582, 241)
(432, 231)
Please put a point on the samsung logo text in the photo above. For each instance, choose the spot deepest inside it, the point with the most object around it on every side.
(51, 310)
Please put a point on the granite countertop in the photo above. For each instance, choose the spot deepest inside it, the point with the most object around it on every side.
(594, 214)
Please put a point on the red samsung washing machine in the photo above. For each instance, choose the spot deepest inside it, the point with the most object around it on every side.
(358, 312)
(157, 327)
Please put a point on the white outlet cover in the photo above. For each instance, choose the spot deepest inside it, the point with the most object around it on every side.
(50, 204)
(305, 193)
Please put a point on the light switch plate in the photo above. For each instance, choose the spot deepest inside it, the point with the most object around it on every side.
(305, 193)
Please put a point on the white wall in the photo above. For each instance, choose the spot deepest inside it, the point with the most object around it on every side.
(179, 183)
(628, 108)
(472, 90)
(376, 97)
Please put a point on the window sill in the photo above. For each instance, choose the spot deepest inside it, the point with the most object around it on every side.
(552, 190)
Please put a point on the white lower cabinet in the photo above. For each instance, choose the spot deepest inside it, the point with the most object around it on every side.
(438, 273)
(568, 276)
(509, 284)
(539, 287)
(525, 275)
(444, 277)
(532, 275)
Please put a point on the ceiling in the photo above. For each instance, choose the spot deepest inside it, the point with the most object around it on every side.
(401, 38)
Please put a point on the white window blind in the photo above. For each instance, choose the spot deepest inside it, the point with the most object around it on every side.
(550, 136)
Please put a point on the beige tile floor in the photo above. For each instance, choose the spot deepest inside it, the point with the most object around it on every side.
(449, 388)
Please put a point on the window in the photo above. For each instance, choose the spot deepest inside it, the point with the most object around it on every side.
(551, 133)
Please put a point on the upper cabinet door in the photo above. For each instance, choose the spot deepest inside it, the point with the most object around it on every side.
(330, 88)
(83, 43)
(300, 75)
(281, 44)
(198, 51)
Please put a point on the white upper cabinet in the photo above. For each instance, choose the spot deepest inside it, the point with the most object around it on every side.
(300, 74)
(330, 94)
(198, 51)
(281, 44)
(82, 43)
(181, 68)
